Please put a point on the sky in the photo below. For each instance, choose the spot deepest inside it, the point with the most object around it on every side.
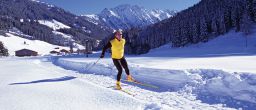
(82, 7)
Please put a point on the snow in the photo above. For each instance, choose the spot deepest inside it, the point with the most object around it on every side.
(87, 31)
(47, 87)
(227, 52)
(226, 63)
(217, 75)
(113, 13)
(104, 19)
(205, 84)
(69, 37)
(21, 20)
(62, 34)
(14, 43)
(36, 1)
(168, 15)
(51, 6)
(17, 32)
(53, 88)
(92, 18)
(55, 25)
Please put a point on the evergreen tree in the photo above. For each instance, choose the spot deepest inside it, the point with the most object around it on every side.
(203, 30)
(246, 26)
(3, 50)
(195, 33)
(214, 27)
(246, 23)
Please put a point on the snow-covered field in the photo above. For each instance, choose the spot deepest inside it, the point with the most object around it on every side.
(218, 75)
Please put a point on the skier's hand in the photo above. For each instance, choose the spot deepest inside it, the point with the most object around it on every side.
(102, 56)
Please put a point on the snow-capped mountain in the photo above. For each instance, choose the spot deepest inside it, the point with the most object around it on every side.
(128, 16)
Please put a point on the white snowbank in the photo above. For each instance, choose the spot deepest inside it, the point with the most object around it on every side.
(226, 63)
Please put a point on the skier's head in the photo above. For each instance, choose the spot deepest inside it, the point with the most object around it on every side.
(118, 34)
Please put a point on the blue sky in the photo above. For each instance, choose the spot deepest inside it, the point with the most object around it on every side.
(96, 6)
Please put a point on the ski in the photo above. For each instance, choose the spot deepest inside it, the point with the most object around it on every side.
(122, 90)
(127, 92)
(143, 84)
(123, 85)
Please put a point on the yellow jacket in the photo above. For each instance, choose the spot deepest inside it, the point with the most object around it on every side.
(117, 48)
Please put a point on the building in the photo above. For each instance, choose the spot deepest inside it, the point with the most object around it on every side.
(25, 52)
(63, 51)
(54, 52)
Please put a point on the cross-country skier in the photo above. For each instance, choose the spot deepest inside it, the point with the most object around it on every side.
(117, 53)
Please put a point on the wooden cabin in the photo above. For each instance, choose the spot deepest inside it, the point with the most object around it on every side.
(25, 52)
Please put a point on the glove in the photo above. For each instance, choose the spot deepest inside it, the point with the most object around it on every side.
(102, 56)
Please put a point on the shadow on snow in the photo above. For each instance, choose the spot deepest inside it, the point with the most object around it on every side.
(65, 78)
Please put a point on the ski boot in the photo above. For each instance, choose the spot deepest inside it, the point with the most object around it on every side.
(129, 78)
(118, 85)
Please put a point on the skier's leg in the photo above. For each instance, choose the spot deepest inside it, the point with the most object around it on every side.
(125, 66)
(119, 68)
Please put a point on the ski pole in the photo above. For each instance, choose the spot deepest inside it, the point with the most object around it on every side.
(89, 67)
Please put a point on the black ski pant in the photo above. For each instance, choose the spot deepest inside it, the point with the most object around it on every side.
(119, 63)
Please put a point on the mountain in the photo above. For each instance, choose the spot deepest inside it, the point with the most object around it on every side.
(37, 20)
(129, 16)
(198, 24)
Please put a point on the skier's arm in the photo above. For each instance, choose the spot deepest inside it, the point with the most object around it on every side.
(104, 49)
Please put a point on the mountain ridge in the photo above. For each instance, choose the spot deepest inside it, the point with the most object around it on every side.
(129, 16)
